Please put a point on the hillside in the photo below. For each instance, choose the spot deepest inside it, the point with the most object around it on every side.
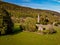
(18, 26)
(19, 11)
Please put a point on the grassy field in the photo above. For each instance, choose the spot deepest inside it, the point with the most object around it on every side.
(30, 38)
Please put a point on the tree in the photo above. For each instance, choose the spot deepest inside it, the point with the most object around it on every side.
(29, 24)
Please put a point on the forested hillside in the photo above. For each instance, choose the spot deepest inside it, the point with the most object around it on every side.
(20, 11)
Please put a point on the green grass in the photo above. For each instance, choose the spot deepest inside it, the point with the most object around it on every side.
(30, 38)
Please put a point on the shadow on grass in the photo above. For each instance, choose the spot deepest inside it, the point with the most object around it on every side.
(15, 31)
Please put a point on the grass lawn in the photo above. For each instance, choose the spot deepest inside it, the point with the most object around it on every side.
(30, 38)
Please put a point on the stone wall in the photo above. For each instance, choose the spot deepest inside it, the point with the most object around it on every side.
(6, 23)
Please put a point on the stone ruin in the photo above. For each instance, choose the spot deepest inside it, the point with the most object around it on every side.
(42, 27)
(6, 23)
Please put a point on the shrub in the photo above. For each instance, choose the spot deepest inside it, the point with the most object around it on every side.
(56, 24)
(52, 31)
(44, 21)
(29, 24)
(49, 31)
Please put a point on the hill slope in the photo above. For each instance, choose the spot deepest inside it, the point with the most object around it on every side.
(20, 11)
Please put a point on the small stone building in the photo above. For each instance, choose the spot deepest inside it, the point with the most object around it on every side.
(42, 27)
